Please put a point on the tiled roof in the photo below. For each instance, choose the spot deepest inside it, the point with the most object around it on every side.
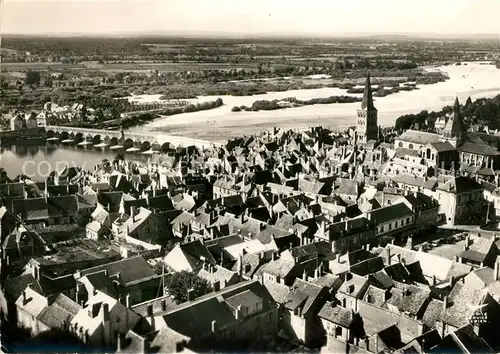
(60, 312)
(304, 295)
(464, 301)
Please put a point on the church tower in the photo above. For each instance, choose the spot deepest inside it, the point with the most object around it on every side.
(454, 128)
(367, 127)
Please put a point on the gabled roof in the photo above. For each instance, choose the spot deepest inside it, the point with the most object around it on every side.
(59, 313)
(305, 296)
(194, 251)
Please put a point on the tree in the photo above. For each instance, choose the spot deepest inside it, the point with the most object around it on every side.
(32, 78)
(179, 283)
(83, 218)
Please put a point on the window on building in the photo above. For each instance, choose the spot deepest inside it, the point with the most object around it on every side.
(410, 146)
(400, 144)
(407, 221)
(338, 331)
(390, 226)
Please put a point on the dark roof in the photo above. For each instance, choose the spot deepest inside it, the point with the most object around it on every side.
(193, 251)
(15, 286)
(194, 319)
(129, 269)
(367, 102)
(460, 185)
(391, 212)
(31, 209)
(442, 146)
(110, 201)
(349, 227)
(368, 266)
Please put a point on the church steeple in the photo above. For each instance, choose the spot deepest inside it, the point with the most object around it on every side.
(454, 128)
(367, 126)
(367, 102)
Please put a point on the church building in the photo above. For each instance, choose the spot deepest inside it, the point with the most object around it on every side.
(367, 126)
(454, 148)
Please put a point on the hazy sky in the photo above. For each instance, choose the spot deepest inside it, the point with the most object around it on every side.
(251, 16)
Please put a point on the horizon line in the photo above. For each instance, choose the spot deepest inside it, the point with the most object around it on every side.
(226, 34)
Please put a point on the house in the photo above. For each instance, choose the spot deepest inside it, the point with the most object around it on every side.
(225, 320)
(132, 279)
(56, 314)
(141, 224)
(350, 235)
(425, 208)
(220, 277)
(352, 290)
(301, 308)
(460, 199)
(341, 326)
(29, 305)
(392, 219)
(102, 319)
(479, 252)
(21, 244)
(189, 256)
(94, 230)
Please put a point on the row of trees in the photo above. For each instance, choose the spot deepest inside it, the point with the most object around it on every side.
(265, 105)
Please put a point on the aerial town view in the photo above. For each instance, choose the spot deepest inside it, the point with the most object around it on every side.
(195, 176)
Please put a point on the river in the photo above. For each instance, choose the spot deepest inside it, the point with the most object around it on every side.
(38, 161)
(473, 80)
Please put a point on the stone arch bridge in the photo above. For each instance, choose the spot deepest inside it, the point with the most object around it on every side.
(158, 142)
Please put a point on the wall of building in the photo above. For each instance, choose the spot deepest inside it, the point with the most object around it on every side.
(394, 225)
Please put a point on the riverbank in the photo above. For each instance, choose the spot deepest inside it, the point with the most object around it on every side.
(475, 80)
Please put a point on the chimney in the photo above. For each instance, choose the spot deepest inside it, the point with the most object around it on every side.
(214, 326)
(497, 270)
(304, 275)
(127, 301)
(240, 264)
(163, 305)
(467, 243)
(388, 256)
(105, 312)
(338, 257)
(132, 213)
(190, 295)
(273, 256)
(118, 343)
(445, 302)
(24, 297)
(238, 312)
(151, 316)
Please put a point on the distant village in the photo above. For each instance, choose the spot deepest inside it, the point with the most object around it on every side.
(310, 240)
